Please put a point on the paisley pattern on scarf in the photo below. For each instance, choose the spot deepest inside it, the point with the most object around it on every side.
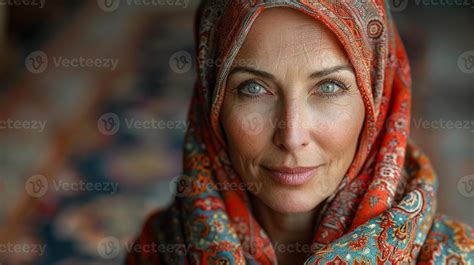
(384, 210)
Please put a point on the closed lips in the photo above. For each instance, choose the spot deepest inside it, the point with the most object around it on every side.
(291, 176)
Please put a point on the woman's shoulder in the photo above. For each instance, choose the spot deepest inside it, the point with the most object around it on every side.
(449, 241)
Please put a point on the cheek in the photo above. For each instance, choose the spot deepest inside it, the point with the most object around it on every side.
(337, 138)
(248, 130)
(243, 126)
(339, 127)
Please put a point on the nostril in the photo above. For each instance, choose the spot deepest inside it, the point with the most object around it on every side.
(290, 145)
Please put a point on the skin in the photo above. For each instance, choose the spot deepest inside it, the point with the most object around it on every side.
(287, 117)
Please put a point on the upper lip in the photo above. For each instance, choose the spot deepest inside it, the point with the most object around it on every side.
(291, 170)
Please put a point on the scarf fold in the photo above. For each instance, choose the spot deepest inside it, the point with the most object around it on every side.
(384, 210)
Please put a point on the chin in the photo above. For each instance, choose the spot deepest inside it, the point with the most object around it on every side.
(285, 200)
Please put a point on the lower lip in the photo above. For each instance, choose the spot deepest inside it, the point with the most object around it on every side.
(291, 179)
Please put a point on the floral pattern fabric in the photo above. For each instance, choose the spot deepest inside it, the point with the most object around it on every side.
(384, 210)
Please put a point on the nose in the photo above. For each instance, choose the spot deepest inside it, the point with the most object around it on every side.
(292, 132)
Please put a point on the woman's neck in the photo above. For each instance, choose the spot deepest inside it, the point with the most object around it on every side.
(290, 233)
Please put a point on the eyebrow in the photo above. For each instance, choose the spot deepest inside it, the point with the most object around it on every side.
(314, 75)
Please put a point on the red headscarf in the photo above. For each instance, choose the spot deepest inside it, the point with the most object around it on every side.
(384, 209)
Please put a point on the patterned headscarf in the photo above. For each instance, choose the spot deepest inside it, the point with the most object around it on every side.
(384, 210)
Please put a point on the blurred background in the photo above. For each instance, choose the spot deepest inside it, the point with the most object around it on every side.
(93, 103)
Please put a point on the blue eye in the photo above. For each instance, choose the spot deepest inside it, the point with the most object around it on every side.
(251, 89)
(329, 87)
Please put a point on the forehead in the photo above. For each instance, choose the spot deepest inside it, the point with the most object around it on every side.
(283, 35)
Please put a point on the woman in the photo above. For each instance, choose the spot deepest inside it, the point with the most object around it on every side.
(298, 149)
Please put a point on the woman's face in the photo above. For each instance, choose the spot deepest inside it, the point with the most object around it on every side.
(291, 102)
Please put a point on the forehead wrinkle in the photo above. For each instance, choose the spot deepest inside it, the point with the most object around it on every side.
(306, 53)
(309, 40)
(280, 51)
(302, 36)
(301, 46)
